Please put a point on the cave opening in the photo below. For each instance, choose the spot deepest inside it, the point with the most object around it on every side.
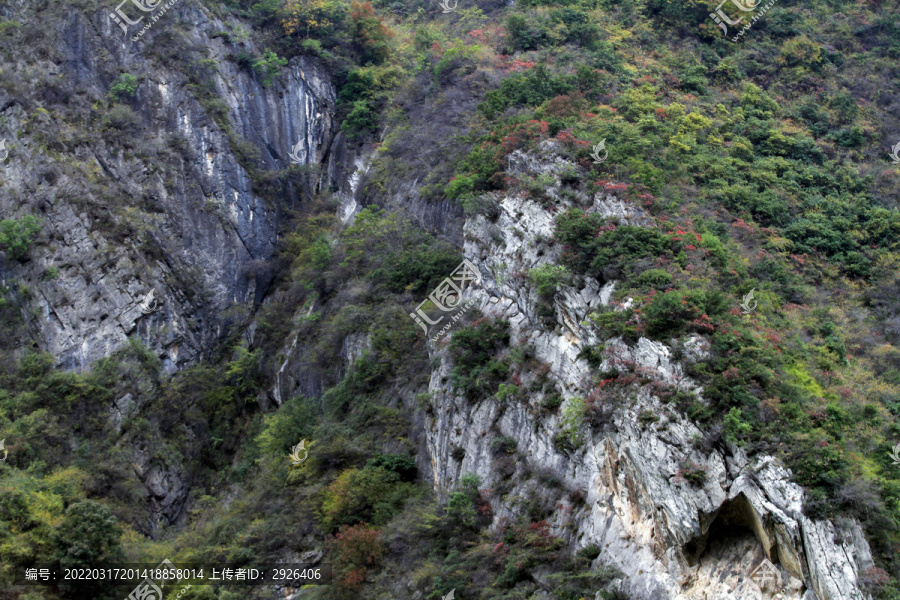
(732, 529)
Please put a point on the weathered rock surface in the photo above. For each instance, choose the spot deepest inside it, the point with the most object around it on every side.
(152, 226)
(673, 539)
(175, 213)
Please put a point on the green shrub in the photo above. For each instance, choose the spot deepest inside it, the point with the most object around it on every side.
(244, 371)
(361, 119)
(689, 13)
(671, 313)
(619, 323)
(7, 27)
(507, 390)
(590, 552)
(647, 416)
(282, 430)
(734, 428)
(473, 349)
(89, 534)
(552, 401)
(457, 56)
(313, 47)
(547, 277)
(692, 473)
(361, 84)
(531, 88)
(527, 33)
(371, 494)
(17, 235)
(311, 19)
(579, 27)
(121, 118)
(819, 466)
(459, 186)
(124, 88)
(800, 51)
(503, 445)
(608, 252)
(484, 162)
(460, 509)
(756, 103)
(461, 505)
(269, 66)
(404, 466)
(656, 279)
(469, 483)
(418, 268)
(480, 204)
(570, 436)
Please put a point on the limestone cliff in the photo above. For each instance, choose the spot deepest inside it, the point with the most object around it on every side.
(172, 223)
(673, 540)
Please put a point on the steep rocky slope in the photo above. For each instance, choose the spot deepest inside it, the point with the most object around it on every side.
(671, 538)
(175, 214)
(156, 228)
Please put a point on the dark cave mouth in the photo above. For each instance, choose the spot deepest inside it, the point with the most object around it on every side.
(733, 523)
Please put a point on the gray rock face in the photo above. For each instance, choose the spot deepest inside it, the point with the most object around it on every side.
(673, 537)
(152, 225)
(171, 209)
(166, 487)
(354, 346)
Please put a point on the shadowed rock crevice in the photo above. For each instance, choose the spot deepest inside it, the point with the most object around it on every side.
(734, 520)
(734, 544)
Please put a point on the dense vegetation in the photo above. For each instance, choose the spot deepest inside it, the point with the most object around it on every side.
(761, 165)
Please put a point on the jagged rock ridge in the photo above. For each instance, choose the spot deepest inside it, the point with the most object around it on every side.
(672, 540)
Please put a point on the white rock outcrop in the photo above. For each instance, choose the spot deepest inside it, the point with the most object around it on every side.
(672, 539)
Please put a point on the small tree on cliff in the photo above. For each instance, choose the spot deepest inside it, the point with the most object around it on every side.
(371, 36)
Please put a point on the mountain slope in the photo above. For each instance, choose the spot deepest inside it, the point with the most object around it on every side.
(676, 357)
